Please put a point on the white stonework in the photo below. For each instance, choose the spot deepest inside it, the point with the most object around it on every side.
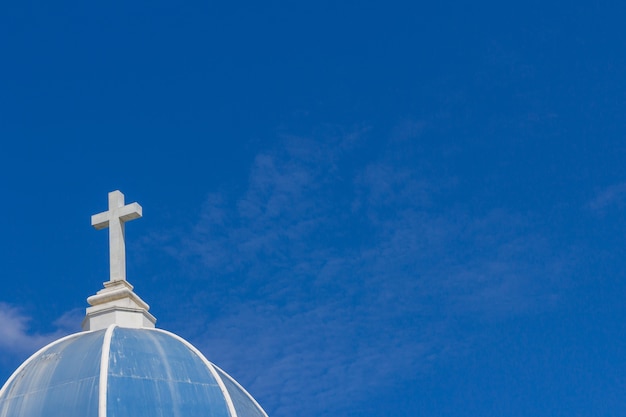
(114, 219)
(116, 303)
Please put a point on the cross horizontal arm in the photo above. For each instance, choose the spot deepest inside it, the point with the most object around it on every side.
(130, 212)
(101, 220)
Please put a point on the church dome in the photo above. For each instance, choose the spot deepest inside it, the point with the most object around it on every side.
(121, 365)
(119, 372)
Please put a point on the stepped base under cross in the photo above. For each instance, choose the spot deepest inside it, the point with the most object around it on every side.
(117, 304)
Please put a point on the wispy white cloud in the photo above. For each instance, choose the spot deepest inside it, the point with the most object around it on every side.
(338, 270)
(18, 340)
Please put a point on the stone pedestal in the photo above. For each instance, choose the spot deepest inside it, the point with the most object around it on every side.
(117, 304)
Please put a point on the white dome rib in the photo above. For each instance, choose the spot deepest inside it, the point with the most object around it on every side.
(104, 371)
(238, 385)
(229, 400)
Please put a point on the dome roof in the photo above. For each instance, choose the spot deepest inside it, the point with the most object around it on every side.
(119, 372)
(121, 365)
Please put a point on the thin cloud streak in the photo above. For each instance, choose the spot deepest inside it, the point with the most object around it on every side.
(612, 195)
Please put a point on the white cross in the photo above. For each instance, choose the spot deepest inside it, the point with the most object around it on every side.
(114, 219)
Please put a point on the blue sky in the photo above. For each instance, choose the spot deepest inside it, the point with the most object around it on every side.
(354, 208)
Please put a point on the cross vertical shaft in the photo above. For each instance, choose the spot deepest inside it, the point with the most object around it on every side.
(114, 219)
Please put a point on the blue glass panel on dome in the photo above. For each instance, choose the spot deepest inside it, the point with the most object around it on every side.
(244, 405)
(153, 374)
(60, 381)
